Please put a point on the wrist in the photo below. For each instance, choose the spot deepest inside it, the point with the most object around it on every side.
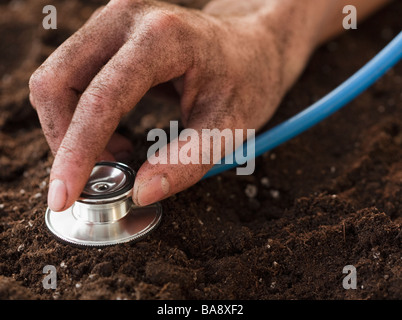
(294, 27)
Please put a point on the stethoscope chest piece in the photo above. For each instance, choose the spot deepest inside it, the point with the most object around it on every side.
(105, 214)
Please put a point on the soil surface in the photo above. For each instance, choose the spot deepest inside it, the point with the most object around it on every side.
(329, 198)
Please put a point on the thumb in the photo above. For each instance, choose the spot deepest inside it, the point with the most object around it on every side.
(165, 173)
(181, 163)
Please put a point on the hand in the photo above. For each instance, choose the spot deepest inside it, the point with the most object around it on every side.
(99, 74)
(231, 64)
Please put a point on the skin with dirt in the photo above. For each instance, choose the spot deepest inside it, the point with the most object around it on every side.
(326, 199)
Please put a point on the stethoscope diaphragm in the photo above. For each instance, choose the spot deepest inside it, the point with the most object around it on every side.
(105, 213)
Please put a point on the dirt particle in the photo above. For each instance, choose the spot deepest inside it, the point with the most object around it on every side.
(251, 191)
(274, 194)
(265, 182)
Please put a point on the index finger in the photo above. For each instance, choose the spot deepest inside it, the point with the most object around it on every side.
(57, 84)
(112, 93)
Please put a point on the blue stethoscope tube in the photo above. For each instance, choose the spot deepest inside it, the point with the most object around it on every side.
(323, 108)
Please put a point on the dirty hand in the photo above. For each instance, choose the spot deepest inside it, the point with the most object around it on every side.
(231, 64)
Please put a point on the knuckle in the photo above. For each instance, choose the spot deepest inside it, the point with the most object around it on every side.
(122, 2)
(65, 151)
(36, 83)
(129, 5)
(102, 101)
(163, 22)
(166, 34)
(95, 101)
(41, 86)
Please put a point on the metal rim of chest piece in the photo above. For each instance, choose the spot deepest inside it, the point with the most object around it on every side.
(105, 213)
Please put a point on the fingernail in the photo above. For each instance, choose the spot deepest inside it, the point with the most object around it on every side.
(152, 191)
(57, 195)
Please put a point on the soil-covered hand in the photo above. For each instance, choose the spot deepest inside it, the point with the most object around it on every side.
(230, 63)
(99, 74)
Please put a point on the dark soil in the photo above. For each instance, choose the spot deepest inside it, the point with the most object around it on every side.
(329, 198)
